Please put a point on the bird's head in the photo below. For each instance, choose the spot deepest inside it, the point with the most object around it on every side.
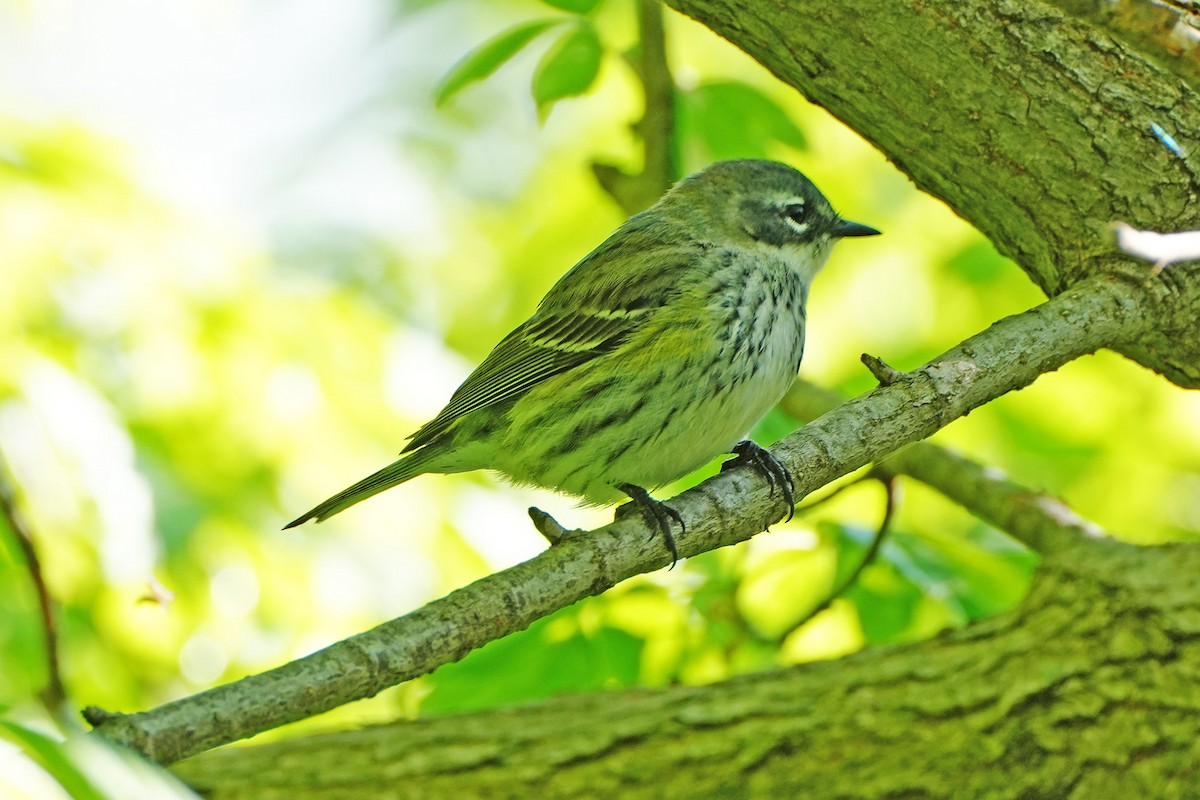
(753, 201)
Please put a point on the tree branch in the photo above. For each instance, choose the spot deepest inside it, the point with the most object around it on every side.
(1082, 691)
(726, 509)
(891, 486)
(1038, 521)
(1031, 124)
(54, 694)
(639, 191)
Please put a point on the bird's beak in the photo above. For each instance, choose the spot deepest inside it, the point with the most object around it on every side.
(844, 227)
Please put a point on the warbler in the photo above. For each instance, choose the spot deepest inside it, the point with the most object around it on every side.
(653, 355)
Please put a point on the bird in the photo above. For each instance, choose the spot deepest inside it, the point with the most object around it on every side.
(653, 355)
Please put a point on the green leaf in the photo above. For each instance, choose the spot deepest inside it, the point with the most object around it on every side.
(568, 68)
(888, 605)
(553, 656)
(574, 6)
(489, 56)
(892, 606)
(733, 120)
(53, 757)
(974, 579)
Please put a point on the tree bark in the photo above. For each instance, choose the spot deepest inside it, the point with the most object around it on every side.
(1086, 690)
(1031, 123)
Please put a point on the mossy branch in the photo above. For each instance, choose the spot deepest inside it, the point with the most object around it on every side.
(1032, 124)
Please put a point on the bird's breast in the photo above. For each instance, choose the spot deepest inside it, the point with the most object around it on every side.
(759, 306)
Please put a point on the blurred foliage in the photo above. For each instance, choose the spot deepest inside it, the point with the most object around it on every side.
(719, 120)
(567, 69)
(79, 768)
(490, 56)
(177, 384)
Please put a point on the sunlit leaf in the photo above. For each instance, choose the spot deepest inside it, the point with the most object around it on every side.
(730, 119)
(488, 57)
(568, 68)
(537, 663)
(23, 651)
(776, 594)
(886, 602)
(91, 768)
(977, 581)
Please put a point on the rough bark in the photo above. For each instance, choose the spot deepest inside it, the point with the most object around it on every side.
(1031, 123)
(1086, 690)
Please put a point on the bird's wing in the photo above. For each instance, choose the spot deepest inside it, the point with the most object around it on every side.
(592, 309)
(546, 345)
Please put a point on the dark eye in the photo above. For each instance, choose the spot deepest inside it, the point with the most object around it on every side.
(796, 212)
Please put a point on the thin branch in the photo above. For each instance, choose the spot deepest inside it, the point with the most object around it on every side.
(726, 509)
(638, 191)
(54, 694)
(550, 528)
(657, 127)
(892, 492)
(1038, 521)
(883, 373)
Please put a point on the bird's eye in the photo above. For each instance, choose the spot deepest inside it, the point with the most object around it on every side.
(796, 212)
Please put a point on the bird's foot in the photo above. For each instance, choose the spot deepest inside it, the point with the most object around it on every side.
(656, 514)
(750, 454)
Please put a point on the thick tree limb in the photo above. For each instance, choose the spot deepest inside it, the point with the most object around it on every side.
(1030, 123)
(729, 508)
(1086, 690)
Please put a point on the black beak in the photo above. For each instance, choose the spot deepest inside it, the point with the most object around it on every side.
(844, 228)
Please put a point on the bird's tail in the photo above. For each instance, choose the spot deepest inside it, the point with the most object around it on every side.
(391, 475)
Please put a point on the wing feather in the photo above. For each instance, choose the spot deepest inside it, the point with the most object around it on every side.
(533, 353)
(580, 319)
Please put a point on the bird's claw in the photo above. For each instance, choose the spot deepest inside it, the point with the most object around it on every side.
(748, 453)
(656, 515)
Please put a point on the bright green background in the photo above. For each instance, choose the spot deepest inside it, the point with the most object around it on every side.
(176, 383)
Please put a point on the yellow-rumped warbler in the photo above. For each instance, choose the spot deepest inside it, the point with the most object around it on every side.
(653, 355)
